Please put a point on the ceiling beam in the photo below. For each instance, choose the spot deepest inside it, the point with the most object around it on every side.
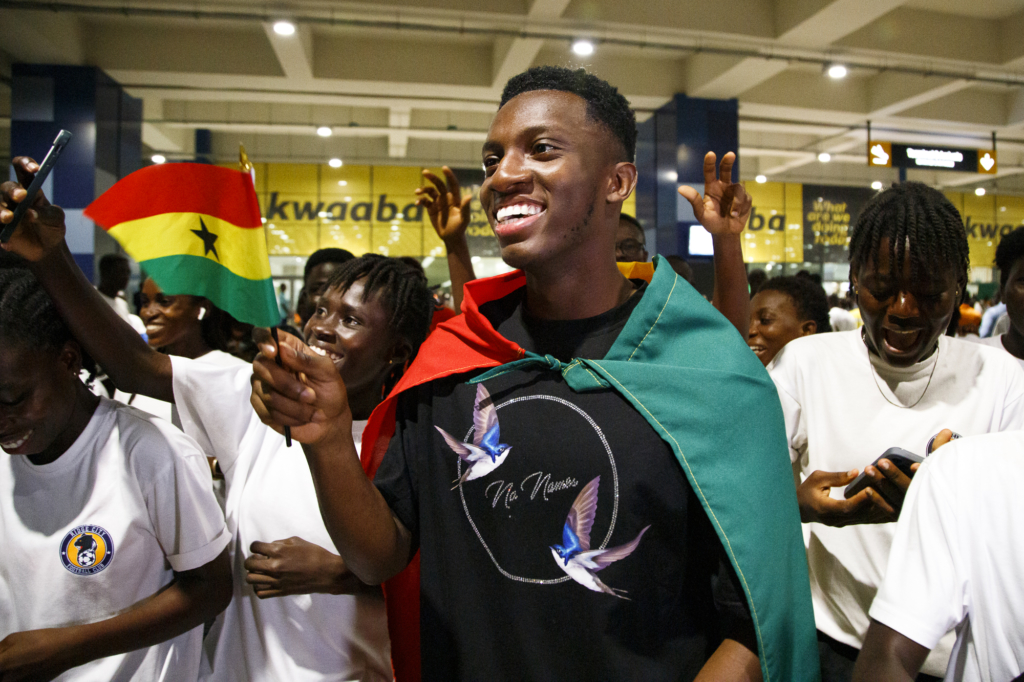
(515, 55)
(294, 52)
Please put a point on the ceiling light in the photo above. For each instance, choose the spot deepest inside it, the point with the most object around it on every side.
(837, 71)
(980, 192)
(324, 131)
(583, 48)
(824, 157)
(877, 185)
(159, 158)
(334, 163)
(342, 183)
(284, 28)
(761, 179)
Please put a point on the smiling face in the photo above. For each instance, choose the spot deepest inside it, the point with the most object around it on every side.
(38, 395)
(356, 335)
(1013, 296)
(904, 315)
(169, 320)
(549, 173)
(774, 322)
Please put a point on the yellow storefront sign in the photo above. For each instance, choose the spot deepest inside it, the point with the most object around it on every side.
(775, 231)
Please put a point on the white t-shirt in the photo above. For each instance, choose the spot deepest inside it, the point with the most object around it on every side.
(120, 307)
(997, 342)
(837, 419)
(102, 528)
(957, 558)
(270, 496)
(841, 320)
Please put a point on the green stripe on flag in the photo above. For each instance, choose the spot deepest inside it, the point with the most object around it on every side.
(247, 300)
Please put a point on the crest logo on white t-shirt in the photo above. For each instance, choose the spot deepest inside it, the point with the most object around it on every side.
(86, 550)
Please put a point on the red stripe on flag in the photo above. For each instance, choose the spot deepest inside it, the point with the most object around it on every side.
(179, 188)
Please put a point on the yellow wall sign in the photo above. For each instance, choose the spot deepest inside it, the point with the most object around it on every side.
(365, 209)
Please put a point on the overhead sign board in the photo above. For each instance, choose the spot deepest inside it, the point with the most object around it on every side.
(925, 157)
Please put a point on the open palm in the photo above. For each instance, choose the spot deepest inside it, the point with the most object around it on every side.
(725, 206)
(447, 208)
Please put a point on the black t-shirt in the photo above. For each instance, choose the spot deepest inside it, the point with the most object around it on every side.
(497, 600)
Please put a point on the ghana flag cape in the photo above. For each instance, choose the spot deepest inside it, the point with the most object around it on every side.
(195, 229)
(684, 368)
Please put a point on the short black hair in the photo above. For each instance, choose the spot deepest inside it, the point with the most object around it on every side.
(402, 290)
(28, 316)
(605, 104)
(914, 212)
(635, 223)
(808, 299)
(322, 256)
(1009, 251)
(110, 260)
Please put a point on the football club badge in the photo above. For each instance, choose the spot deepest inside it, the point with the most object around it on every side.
(86, 550)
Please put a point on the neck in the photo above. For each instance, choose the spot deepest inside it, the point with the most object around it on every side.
(81, 413)
(1013, 341)
(106, 290)
(362, 401)
(576, 293)
(191, 347)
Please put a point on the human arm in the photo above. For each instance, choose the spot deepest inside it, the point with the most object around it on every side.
(374, 544)
(294, 566)
(192, 598)
(449, 214)
(733, 661)
(888, 655)
(39, 239)
(723, 211)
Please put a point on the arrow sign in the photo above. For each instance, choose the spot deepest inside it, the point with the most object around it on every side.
(987, 162)
(880, 155)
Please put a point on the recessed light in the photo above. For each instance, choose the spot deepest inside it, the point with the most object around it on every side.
(824, 157)
(837, 71)
(980, 192)
(158, 158)
(334, 163)
(877, 185)
(761, 179)
(284, 28)
(583, 48)
(324, 131)
(342, 183)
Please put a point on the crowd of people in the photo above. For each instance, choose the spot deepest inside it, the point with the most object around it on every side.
(585, 473)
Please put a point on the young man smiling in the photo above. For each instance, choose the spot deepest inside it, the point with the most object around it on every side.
(581, 507)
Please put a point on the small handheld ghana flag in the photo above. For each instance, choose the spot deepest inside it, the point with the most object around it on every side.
(196, 230)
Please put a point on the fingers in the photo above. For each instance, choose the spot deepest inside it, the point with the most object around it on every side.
(453, 184)
(742, 202)
(893, 473)
(278, 380)
(691, 195)
(725, 170)
(296, 356)
(942, 438)
(831, 479)
(25, 169)
(709, 169)
(264, 548)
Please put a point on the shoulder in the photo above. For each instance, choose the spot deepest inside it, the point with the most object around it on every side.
(149, 444)
(827, 348)
(967, 465)
(985, 358)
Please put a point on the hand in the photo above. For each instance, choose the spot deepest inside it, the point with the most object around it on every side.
(41, 229)
(726, 206)
(306, 393)
(940, 439)
(890, 482)
(816, 505)
(447, 208)
(35, 655)
(294, 566)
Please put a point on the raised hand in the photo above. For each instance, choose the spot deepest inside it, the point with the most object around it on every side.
(447, 208)
(294, 566)
(306, 393)
(725, 207)
(41, 229)
(816, 506)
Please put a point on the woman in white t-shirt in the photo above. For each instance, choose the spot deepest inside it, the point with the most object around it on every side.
(301, 617)
(1010, 260)
(849, 396)
(115, 551)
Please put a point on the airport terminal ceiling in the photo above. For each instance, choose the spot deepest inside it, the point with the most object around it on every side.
(416, 83)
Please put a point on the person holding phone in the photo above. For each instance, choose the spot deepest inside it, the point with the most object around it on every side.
(850, 396)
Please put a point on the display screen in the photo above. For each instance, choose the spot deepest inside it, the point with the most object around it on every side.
(700, 241)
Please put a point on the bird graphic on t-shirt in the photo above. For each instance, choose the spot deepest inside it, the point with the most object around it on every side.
(574, 555)
(485, 453)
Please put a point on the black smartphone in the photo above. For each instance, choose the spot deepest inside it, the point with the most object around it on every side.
(901, 459)
(63, 137)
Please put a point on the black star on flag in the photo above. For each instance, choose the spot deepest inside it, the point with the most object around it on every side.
(209, 239)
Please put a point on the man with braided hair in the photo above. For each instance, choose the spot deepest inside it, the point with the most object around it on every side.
(564, 454)
(850, 396)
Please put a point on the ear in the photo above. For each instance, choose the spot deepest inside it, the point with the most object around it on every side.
(400, 352)
(621, 183)
(808, 328)
(71, 358)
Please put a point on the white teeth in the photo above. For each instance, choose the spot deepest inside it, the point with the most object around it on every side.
(15, 444)
(518, 211)
(318, 351)
(326, 353)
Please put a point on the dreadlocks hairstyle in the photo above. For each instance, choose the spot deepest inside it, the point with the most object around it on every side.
(916, 217)
(321, 256)
(808, 299)
(604, 103)
(402, 290)
(1009, 251)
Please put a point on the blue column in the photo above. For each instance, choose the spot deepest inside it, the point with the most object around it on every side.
(670, 152)
(107, 143)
